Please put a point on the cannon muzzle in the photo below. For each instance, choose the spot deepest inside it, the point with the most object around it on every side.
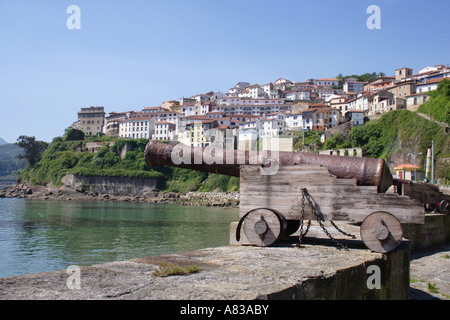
(367, 171)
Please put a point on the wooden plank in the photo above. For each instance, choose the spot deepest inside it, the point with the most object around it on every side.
(338, 199)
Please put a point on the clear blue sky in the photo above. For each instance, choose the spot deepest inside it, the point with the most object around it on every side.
(133, 54)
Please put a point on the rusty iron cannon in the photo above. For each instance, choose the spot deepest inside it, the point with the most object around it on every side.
(366, 171)
(281, 190)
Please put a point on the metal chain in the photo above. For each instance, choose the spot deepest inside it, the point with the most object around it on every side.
(307, 229)
(342, 231)
(302, 215)
(318, 218)
(302, 235)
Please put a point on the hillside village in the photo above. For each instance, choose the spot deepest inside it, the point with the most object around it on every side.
(248, 112)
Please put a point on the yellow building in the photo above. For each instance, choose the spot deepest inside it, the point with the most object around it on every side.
(198, 132)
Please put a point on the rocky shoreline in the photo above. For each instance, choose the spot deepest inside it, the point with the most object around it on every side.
(214, 199)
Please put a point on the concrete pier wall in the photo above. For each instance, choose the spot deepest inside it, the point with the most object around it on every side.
(434, 232)
(231, 273)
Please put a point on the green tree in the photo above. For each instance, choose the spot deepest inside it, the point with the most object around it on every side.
(73, 135)
(369, 77)
(374, 148)
(334, 143)
(32, 148)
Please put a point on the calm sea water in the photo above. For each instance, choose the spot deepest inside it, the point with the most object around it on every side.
(39, 236)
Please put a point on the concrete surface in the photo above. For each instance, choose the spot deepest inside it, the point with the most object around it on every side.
(430, 273)
(228, 273)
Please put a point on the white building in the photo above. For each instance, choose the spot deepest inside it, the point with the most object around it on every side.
(361, 102)
(204, 108)
(326, 82)
(294, 95)
(356, 116)
(215, 114)
(354, 86)
(164, 130)
(160, 114)
(270, 91)
(257, 107)
(137, 127)
(217, 95)
(432, 69)
(253, 92)
(308, 119)
(153, 109)
(233, 101)
(249, 132)
(294, 121)
(282, 80)
(334, 117)
(273, 127)
(303, 95)
(187, 109)
(238, 88)
(282, 84)
(415, 100)
(427, 86)
(324, 92)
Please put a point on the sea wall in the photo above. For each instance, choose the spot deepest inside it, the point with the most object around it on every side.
(110, 185)
(117, 189)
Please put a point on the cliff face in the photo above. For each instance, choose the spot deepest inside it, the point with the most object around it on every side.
(110, 185)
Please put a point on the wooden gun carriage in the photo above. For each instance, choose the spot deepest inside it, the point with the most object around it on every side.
(274, 203)
(426, 194)
(273, 206)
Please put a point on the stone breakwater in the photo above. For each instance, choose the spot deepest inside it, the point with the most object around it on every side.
(216, 199)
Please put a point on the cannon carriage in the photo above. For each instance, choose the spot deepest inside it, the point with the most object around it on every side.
(280, 191)
(274, 206)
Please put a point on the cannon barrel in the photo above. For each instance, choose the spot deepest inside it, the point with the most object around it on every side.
(367, 171)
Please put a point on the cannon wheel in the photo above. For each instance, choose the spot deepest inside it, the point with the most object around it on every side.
(444, 207)
(262, 226)
(381, 232)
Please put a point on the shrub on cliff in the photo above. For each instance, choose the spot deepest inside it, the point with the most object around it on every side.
(439, 103)
(73, 135)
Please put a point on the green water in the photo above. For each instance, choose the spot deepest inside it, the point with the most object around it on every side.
(39, 236)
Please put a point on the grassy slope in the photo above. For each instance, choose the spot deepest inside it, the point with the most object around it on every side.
(400, 133)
